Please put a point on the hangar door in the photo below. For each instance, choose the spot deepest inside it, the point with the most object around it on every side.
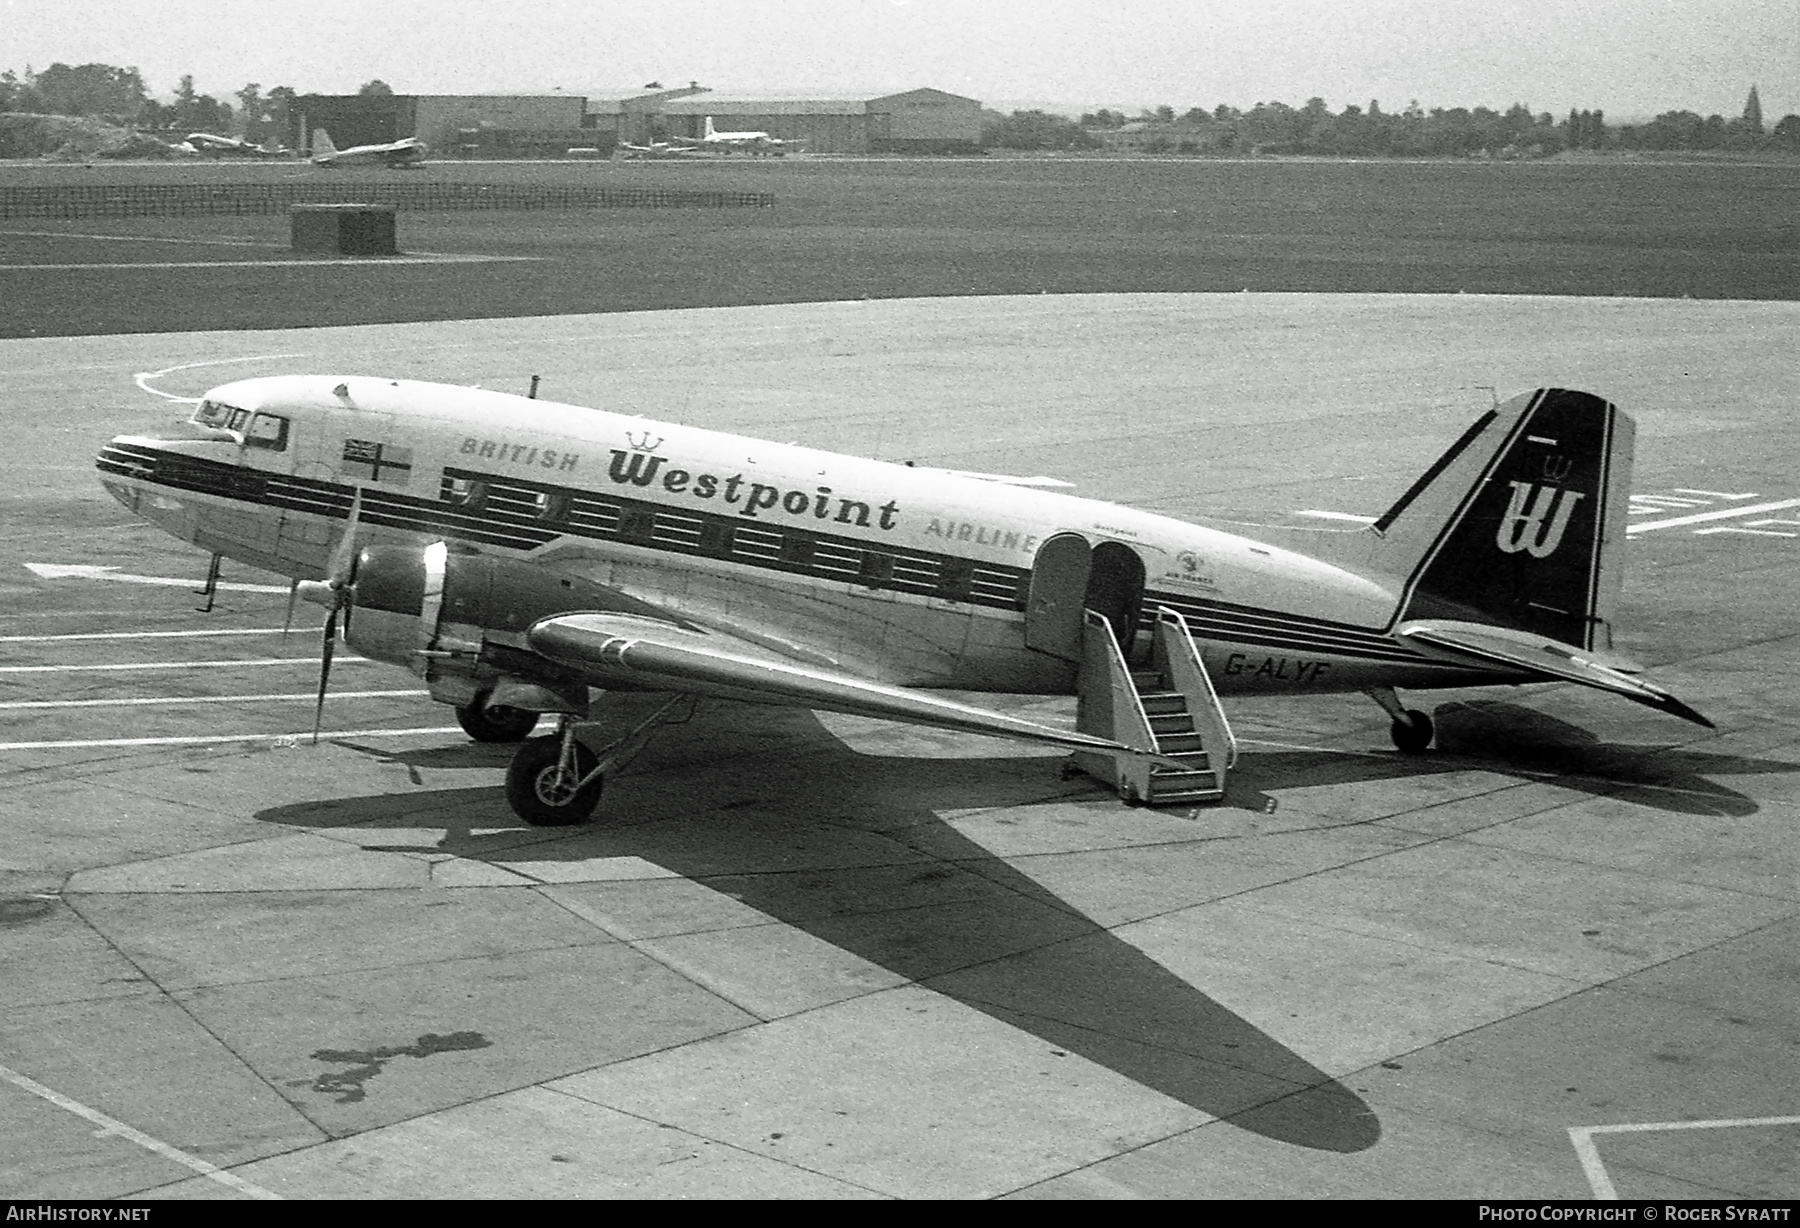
(1068, 576)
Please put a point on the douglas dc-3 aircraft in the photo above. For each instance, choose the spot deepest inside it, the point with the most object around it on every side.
(518, 555)
(408, 152)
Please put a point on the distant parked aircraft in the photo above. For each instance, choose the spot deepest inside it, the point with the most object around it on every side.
(214, 146)
(657, 150)
(728, 142)
(409, 152)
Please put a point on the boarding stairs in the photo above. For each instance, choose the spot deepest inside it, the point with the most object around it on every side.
(1169, 710)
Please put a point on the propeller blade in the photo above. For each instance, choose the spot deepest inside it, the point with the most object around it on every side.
(325, 653)
(288, 622)
(343, 555)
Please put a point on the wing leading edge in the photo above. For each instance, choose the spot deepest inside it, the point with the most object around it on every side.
(621, 650)
(1546, 658)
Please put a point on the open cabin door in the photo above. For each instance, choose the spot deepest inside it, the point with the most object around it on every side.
(1069, 576)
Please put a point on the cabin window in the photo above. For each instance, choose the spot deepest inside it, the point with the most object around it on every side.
(464, 492)
(876, 570)
(268, 431)
(552, 505)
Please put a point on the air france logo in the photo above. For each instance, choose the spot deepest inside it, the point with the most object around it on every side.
(1535, 519)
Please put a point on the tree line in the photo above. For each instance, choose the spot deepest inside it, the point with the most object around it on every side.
(120, 96)
(1276, 128)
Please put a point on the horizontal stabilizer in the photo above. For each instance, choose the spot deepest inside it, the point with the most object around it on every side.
(1505, 648)
(617, 650)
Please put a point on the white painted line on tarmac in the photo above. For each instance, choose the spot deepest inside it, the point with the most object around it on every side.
(140, 635)
(95, 571)
(309, 696)
(1700, 517)
(364, 261)
(144, 665)
(1583, 1139)
(78, 234)
(1747, 532)
(1715, 494)
(142, 377)
(109, 1125)
(1337, 516)
(285, 739)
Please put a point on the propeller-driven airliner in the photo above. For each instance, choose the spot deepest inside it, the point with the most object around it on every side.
(407, 152)
(711, 139)
(215, 146)
(524, 557)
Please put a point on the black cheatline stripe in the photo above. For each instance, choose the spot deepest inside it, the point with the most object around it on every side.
(1240, 624)
(1239, 633)
(1271, 621)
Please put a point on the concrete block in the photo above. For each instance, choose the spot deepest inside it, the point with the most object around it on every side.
(345, 229)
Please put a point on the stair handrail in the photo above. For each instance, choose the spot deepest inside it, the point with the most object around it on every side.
(1187, 673)
(1124, 719)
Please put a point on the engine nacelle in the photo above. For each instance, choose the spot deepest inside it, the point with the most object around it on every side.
(458, 620)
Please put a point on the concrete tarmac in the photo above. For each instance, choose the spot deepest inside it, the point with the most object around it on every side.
(816, 956)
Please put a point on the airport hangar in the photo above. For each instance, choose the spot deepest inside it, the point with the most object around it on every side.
(920, 121)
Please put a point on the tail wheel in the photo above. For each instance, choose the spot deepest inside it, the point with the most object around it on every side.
(543, 793)
(496, 722)
(1413, 734)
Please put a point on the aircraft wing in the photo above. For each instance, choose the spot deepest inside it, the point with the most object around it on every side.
(622, 650)
(1505, 648)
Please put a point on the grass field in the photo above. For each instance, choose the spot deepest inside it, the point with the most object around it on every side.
(877, 229)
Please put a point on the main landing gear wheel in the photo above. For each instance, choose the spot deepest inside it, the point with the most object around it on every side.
(545, 794)
(1412, 734)
(496, 722)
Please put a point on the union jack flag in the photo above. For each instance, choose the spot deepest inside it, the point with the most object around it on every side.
(376, 462)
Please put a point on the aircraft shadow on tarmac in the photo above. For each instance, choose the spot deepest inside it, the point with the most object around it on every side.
(1512, 740)
(883, 877)
(886, 879)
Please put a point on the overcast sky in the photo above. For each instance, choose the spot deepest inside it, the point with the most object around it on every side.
(1630, 58)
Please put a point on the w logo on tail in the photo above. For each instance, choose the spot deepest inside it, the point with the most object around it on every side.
(1520, 522)
(1535, 520)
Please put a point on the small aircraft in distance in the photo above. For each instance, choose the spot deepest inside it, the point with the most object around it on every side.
(730, 142)
(214, 146)
(520, 555)
(408, 152)
(657, 151)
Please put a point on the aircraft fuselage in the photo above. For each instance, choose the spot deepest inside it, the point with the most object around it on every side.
(905, 576)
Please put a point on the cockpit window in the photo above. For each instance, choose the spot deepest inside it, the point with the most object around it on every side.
(213, 413)
(266, 431)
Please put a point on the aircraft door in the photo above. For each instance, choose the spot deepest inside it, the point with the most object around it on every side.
(1053, 603)
(1068, 576)
(1115, 590)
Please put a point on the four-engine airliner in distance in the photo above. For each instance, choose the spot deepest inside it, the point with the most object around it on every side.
(711, 139)
(520, 555)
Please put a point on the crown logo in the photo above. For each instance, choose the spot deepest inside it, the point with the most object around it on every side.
(646, 444)
(1556, 468)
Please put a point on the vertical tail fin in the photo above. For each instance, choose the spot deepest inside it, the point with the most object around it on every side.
(1521, 523)
(710, 133)
(321, 144)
